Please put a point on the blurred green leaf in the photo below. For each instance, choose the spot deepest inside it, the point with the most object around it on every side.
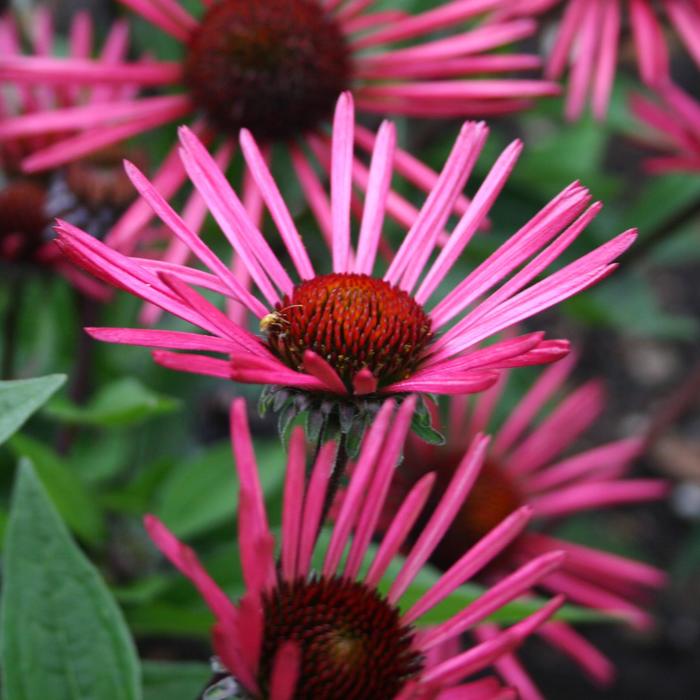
(202, 492)
(69, 494)
(20, 398)
(174, 681)
(63, 637)
(124, 402)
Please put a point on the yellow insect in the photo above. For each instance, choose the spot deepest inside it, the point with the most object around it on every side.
(276, 318)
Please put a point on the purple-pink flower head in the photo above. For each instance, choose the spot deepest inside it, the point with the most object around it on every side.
(361, 326)
(277, 68)
(327, 620)
(588, 38)
(530, 462)
(92, 192)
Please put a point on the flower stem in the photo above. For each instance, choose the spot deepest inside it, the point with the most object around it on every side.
(10, 329)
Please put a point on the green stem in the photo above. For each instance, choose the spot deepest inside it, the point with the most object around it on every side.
(10, 330)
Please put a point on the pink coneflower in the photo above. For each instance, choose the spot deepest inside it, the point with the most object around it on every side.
(277, 68)
(329, 630)
(588, 38)
(351, 332)
(92, 192)
(524, 465)
(673, 122)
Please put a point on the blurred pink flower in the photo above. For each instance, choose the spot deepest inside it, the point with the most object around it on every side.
(673, 121)
(524, 465)
(92, 192)
(328, 631)
(588, 38)
(277, 68)
(348, 332)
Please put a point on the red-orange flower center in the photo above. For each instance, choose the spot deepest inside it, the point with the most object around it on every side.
(353, 644)
(275, 67)
(353, 321)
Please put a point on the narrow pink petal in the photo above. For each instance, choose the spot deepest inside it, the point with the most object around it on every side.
(587, 496)
(232, 218)
(253, 528)
(471, 562)
(375, 202)
(429, 21)
(464, 477)
(473, 218)
(354, 500)
(341, 180)
(524, 413)
(437, 207)
(275, 203)
(568, 29)
(59, 71)
(150, 10)
(176, 11)
(292, 504)
(314, 192)
(686, 20)
(250, 629)
(607, 59)
(364, 382)
(584, 59)
(592, 465)
(445, 383)
(565, 639)
(262, 375)
(496, 596)
(176, 224)
(595, 564)
(595, 596)
(509, 668)
(313, 507)
(486, 653)
(316, 366)
(196, 364)
(399, 529)
(228, 645)
(81, 34)
(176, 340)
(95, 139)
(186, 561)
(560, 429)
(652, 54)
(285, 671)
(383, 473)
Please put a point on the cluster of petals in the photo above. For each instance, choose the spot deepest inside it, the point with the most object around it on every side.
(499, 292)
(672, 121)
(529, 452)
(34, 102)
(433, 76)
(588, 39)
(239, 626)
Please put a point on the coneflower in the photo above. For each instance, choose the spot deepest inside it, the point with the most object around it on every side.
(332, 632)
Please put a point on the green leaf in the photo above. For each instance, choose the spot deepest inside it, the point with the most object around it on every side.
(63, 637)
(19, 398)
(202, 493)
(69, 494)
(174, 681)
(124, 402)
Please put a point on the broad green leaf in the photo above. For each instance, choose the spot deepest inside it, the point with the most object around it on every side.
(69, 494)
(202, 493)
(63, 637)
(19, 398)
(174, 681)
(124, 402)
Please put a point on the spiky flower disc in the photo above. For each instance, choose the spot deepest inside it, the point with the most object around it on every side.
(276, 67)
(353, 645)
(354, 322)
